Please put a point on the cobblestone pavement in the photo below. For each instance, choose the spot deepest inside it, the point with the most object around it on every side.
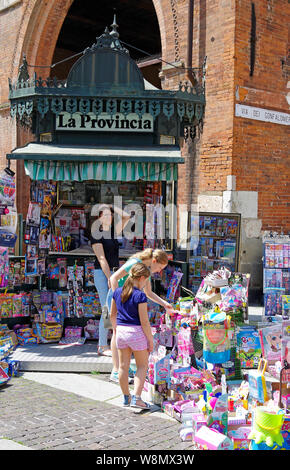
(45, 418)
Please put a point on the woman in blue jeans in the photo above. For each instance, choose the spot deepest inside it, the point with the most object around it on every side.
(106, 249)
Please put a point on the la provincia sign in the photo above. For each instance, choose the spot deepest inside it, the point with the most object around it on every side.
(104, 122)
(260, 114)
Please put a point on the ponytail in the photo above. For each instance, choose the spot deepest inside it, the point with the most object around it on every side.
(137, 271)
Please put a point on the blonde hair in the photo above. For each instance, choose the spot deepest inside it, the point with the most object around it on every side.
(137, 271)
(159, 255)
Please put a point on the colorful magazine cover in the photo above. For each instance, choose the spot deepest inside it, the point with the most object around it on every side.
(285, 299)
(272, 303)
(249, 347)
(271, 342)
(206, 245)
(230, 227)
(220, 227)
(230, 250)
(197, 266)
(286, 260)
(33, 214)
(278, 256)
(272, 278)
(286, 281)
(269, 255)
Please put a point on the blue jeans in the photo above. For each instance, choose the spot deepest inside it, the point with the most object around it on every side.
(105, 296)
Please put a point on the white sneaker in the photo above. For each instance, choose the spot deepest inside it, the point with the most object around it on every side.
(114, 377)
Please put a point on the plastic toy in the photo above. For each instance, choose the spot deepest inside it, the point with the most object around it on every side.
(266, 428)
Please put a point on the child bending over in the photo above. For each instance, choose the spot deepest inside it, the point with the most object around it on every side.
(130, 321)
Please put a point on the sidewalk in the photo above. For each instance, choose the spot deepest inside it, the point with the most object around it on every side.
(55, 411)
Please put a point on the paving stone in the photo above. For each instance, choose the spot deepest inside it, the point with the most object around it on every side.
(53, 419)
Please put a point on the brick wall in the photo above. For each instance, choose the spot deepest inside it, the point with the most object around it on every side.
(261, 157)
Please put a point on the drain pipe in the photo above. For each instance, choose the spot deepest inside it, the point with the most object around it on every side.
(190, 74)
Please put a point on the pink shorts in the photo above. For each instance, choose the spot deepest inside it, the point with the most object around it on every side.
(131, 336)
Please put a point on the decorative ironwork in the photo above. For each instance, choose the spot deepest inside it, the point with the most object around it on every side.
(56, 105)
(31, 95)
(42, 106)
(71, 105)
(126, 107)
(111, 107)
(84, 106)
(168, 109)
(97, 107)
(154, 108)
(140, 107)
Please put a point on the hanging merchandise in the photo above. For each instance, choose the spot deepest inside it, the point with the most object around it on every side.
(7, 187)
(4, 266)
(8, 213)
(216, 338)
(173, 286)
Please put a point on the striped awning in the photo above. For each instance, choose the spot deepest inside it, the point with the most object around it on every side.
(74, 163)
(101, 171)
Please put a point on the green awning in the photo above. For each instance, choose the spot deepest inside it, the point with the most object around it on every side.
(63, 163)
(102, 171)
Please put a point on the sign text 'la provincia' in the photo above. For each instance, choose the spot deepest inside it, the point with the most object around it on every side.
(104, 122)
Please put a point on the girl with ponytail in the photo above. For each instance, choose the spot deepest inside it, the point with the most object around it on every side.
(155, 260)
(132, 330)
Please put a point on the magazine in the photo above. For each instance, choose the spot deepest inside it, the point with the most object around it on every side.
(272, 278)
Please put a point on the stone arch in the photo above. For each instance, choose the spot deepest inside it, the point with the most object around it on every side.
(38, 33)
(42, 21)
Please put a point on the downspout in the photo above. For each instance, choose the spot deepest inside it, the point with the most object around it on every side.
(189, 73)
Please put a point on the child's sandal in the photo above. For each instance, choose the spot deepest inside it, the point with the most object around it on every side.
(127, 400)
(143, 406)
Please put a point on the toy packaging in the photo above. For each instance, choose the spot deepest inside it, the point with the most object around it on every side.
(257, 383)
(216, 339)
(249, 347)
(270, 338)
(210, 439)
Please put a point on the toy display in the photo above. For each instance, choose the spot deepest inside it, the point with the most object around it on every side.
(276, 275)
